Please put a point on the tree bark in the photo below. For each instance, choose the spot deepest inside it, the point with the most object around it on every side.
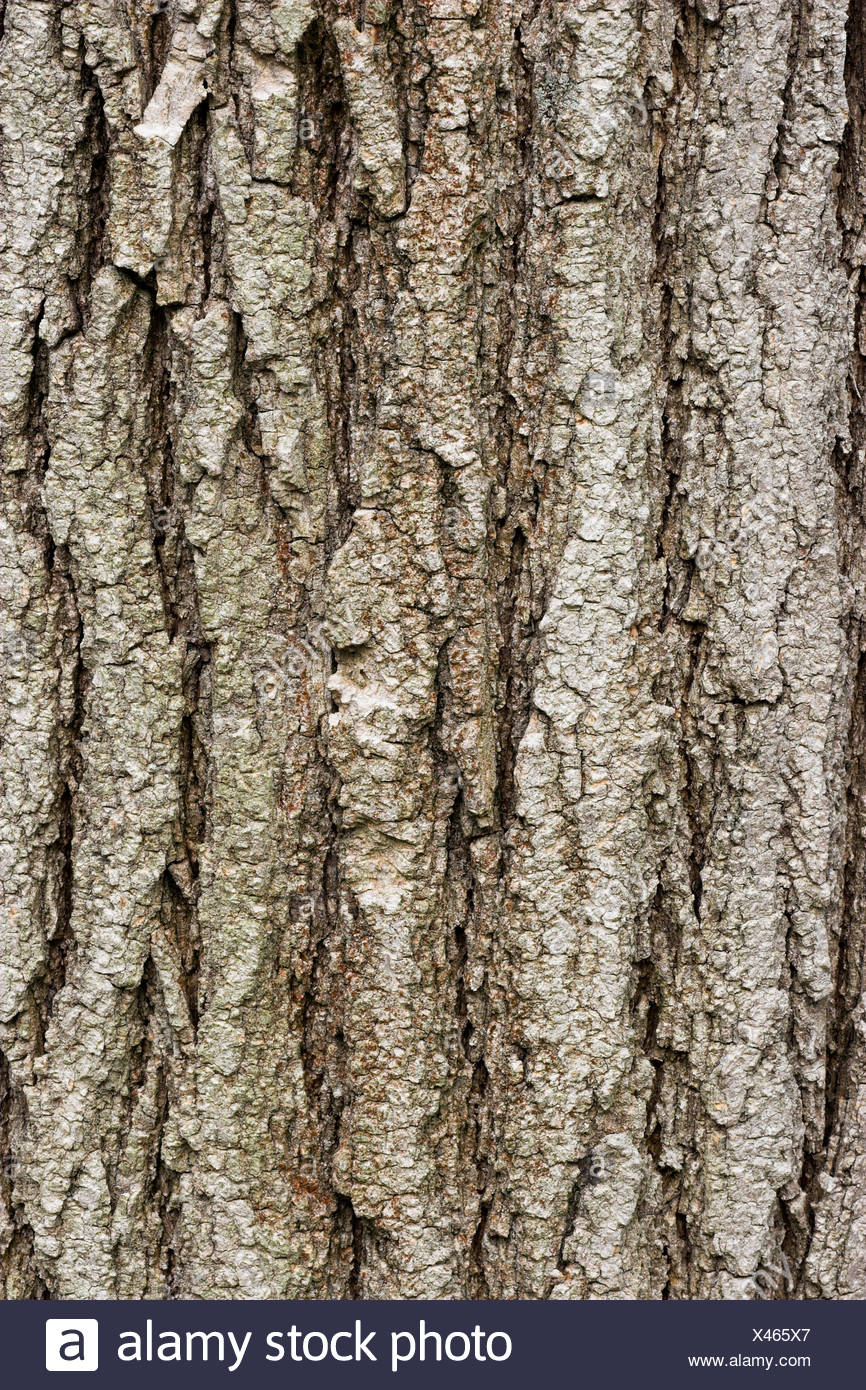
(433, 715)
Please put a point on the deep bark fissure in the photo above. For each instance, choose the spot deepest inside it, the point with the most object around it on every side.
(140, 1057)
(519, 609)
(207, 204)
(841, 1039)
(151, 31)
(655, 975)
(238, 92)
(323, 1044)
(682, 647)
(60, 891)
(341, 367)
(29, 487)
(20, 1278)
(322, 161)
(514, 715)
(94, 205)
(572, 1211)
(694, 789)
(796, 1215)
(471, 1006)
(176, 568)
(471, 1024)
(159, 470)
(849, 965)
(348, 1234)
(164, 1195)
(56, 892)
(848, 982)
(797, 41)
(343, 396)
(412, 65)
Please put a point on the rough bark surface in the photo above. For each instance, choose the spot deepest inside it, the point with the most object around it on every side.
(433, 821)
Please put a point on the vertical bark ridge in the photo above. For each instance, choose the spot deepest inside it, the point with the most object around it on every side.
(828, 1265)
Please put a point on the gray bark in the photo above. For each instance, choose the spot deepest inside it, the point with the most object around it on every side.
(433, 697)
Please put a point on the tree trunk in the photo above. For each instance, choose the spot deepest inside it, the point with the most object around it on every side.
(434, 705)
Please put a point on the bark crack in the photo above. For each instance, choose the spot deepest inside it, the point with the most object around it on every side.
(58, 897)
(92, 251)
(842, 1047)
(176, 569)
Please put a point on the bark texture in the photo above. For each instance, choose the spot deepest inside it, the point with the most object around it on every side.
(433, 822)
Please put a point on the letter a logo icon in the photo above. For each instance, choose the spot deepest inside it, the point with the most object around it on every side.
(71, 1344)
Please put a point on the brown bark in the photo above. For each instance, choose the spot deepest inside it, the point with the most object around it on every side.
(432, 719)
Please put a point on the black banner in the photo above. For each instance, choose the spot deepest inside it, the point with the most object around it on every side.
(493, 1346)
